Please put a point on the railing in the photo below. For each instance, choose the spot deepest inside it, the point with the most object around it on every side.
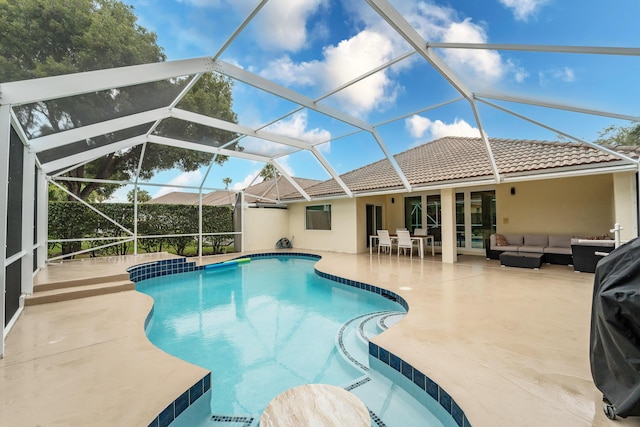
(127, 239)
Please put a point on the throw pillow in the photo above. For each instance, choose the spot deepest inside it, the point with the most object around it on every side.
(501, 240)
(603, 237)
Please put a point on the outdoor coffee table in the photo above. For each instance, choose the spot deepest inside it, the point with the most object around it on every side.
(521, 259)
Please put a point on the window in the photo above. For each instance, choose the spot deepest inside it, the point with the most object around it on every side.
(319, 217)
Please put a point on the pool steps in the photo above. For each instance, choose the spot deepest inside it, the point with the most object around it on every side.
(384, 398)
(75, 289)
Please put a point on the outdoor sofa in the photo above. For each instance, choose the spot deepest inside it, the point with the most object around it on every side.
(556, 249)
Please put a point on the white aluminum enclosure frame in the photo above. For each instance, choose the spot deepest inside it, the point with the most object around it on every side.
(18, 93)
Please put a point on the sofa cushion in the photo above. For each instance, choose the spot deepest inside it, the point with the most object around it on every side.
(507, 248)
(514, 239)
(559, 241)
(536, 240)
(531, 249)
(557, 250)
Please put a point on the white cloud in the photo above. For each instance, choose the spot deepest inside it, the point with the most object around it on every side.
(264, 148)
(293, 127)
(193, 178)
(523, 9)
(443, 24)
(248, 180)
(519, 73)
(486, 65)
(286, 71)
(354, 57)
(296, 127)
(251, 179)
(422, 127)
(340, 64)
(564, 74)
(282, 24)
(283, 162)
(378, 43)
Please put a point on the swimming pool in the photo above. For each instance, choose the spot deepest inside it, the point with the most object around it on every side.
(269, 325)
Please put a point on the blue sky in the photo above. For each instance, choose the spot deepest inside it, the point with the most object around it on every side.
(314, 46)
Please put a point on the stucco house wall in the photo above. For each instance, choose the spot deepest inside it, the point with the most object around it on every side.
(264, 227)
(343, 236)
(626, 205)
(581, 206)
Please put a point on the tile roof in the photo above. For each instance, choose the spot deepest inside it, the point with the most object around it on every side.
(175, 198)
(269, 190)
(453, 159)
(263, 192)
(632, 151)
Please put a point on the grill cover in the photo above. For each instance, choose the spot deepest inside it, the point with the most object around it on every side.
(615, 328)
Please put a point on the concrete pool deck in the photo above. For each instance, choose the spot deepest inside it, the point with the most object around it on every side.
(510, 345)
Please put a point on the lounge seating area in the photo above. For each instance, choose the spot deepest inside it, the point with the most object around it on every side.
(582, 254)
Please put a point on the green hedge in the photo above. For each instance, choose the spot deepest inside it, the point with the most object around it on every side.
(73, 220)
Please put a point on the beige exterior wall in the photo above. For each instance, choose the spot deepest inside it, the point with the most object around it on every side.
(362, 202)
(264, 227)
(624, 188)
(581, 206)
(343, 236)
(394, 212)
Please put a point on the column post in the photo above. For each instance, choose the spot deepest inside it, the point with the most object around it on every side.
(448, 209)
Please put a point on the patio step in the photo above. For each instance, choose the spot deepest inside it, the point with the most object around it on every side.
(76, 291)
(37, 287)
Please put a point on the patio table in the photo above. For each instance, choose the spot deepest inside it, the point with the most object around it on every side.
(419, 239)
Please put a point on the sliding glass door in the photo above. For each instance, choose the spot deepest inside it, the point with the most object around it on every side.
(483, 216)
(374, 220)
(475, 216)
(413, 213)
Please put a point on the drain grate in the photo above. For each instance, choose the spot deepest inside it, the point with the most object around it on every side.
(242, 421)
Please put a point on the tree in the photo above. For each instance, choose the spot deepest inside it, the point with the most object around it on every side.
(620, 135)
(143, 196)
(41, 38)
(269, 172)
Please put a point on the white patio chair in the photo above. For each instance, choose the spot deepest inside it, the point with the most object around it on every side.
(384, 241)
(405, 242)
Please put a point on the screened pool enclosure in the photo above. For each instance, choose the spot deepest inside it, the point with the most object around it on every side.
(51, 127)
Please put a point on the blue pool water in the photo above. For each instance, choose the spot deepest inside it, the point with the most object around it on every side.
(272, 324)
(261, 328)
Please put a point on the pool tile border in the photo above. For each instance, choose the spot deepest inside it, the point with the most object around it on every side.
(183, 401)
(161, 268)
(423, 382)
(366, 287)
